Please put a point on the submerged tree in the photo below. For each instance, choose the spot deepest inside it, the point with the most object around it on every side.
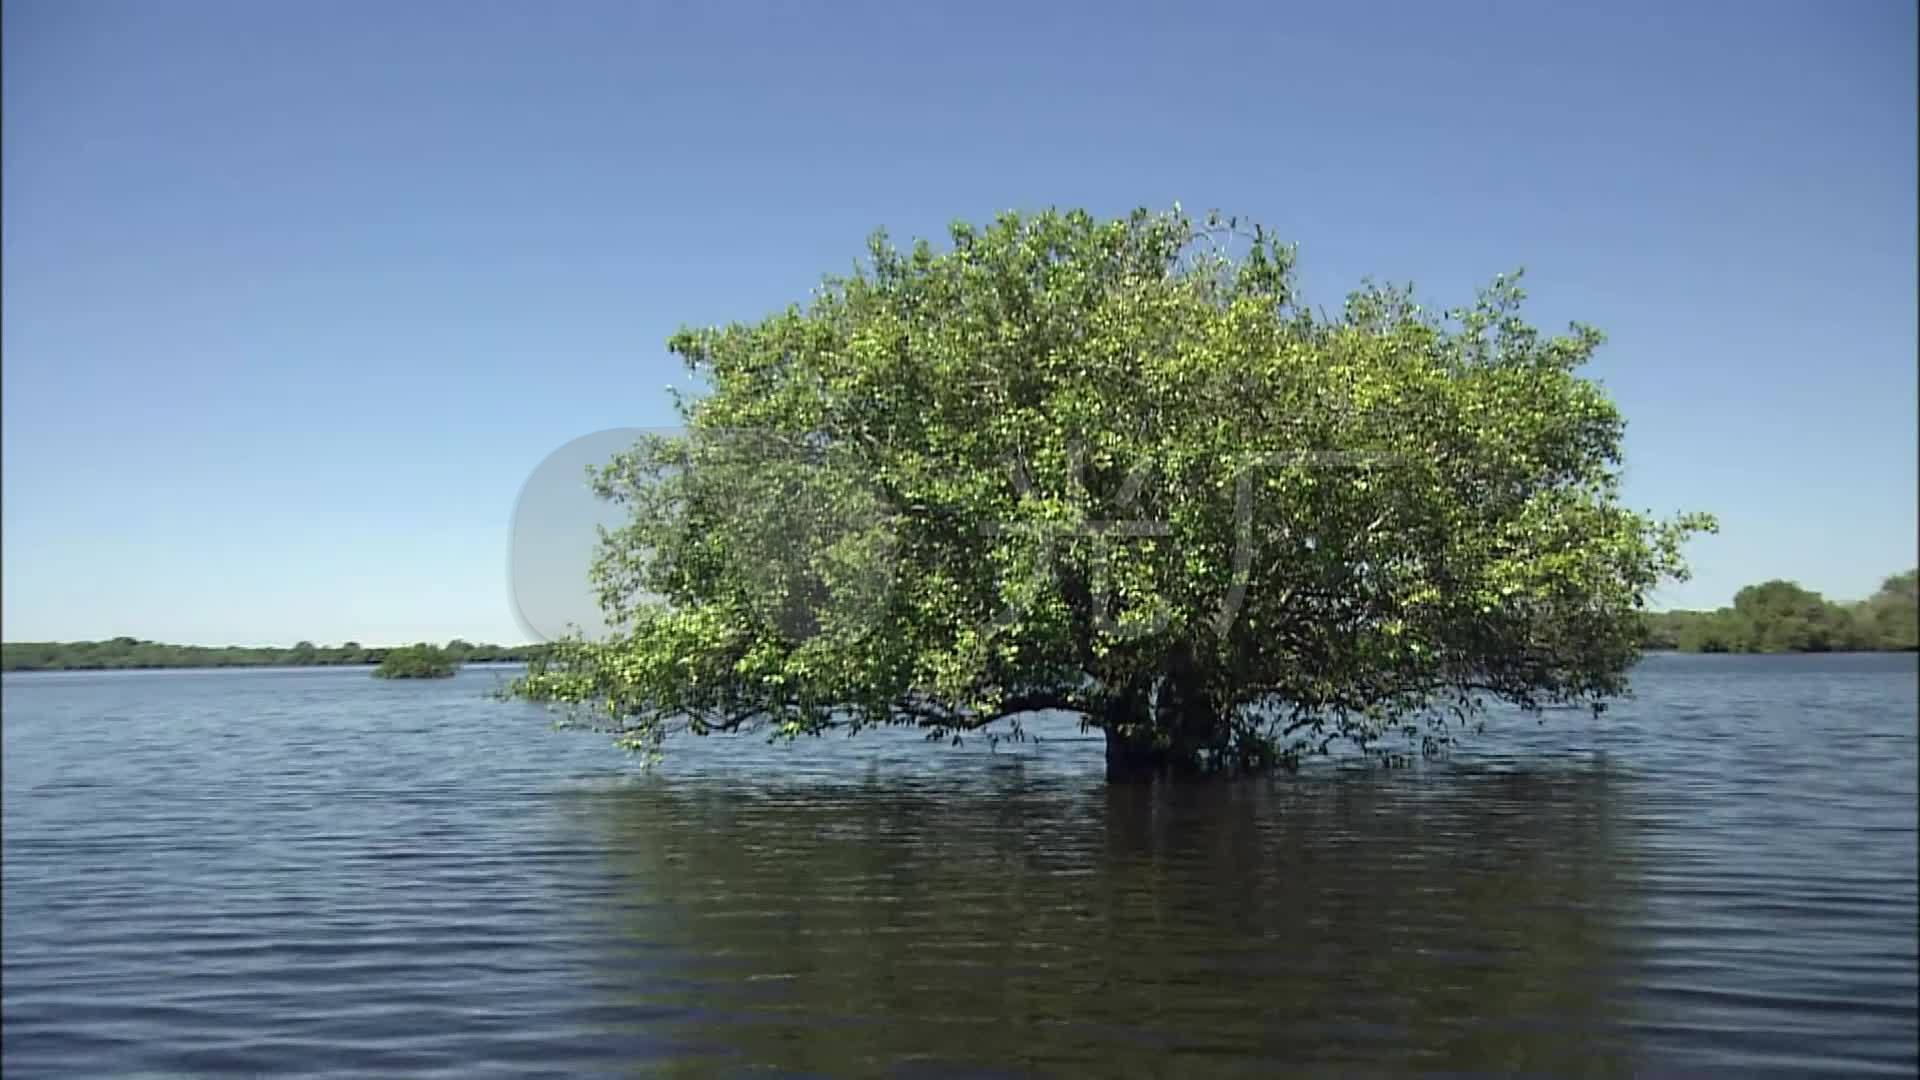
(1118, 469)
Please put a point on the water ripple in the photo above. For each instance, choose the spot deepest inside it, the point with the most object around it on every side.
(316, 873)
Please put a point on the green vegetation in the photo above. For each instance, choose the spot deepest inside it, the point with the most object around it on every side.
(1119, 469)
(422, 661)
(1780, 616)
(125, 652)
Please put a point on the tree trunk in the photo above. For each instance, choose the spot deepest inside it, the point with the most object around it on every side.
(1136, 758)
(1170, 736)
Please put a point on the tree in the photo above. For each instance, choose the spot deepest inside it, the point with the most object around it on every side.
(1118, 469)
(1788, 618)
(1890, 618)
(1722, 631)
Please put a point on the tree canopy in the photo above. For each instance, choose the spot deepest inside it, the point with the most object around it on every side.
(1119, 469)
(1781, 616)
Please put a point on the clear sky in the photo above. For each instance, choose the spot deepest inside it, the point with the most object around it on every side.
(298, 295)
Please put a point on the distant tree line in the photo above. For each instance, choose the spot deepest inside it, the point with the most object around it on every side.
(125, 652)
(1780, 616)
(1776, 616)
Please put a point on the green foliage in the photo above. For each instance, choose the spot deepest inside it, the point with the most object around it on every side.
(1118, 468)
(1890, 618)
(125, 653)
(422, 661)
(1780, 616)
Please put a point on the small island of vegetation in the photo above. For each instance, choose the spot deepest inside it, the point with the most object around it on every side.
(421, 661)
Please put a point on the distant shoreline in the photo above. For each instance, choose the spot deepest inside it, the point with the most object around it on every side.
(1724, 647)
(482, 665)
(521, 660)
(129, 654)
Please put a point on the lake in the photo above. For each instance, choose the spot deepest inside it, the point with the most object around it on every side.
(313, 871)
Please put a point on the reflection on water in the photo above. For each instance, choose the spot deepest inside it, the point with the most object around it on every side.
(314, 872)
(1360, 920)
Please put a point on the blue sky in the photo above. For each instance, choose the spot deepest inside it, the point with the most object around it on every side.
(298, 296)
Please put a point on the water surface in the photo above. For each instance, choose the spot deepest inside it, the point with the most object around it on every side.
(313, 871)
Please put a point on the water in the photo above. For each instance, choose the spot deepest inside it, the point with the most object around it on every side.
(314, 871)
